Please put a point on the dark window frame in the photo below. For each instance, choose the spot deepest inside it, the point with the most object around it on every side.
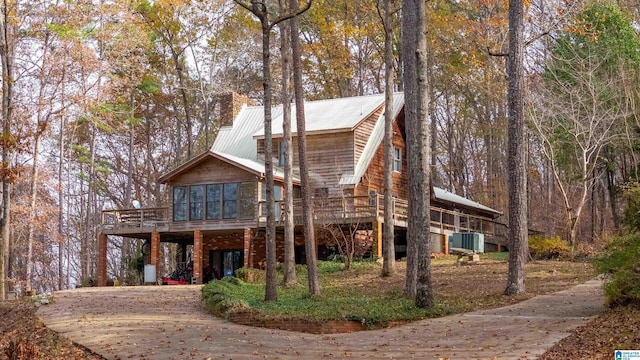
(184, 204)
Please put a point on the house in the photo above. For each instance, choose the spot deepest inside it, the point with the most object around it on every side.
(216, 198)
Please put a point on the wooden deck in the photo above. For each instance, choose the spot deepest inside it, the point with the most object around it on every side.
(342, 210)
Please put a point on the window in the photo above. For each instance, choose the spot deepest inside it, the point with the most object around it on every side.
(180, 203)
(277, 196)
(322, 192)
(229, 201)
(281, 152)
(247, 201)
(196, 202)
(214, 201)
(397, 159)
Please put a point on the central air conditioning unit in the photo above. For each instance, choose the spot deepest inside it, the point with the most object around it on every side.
(469, 240)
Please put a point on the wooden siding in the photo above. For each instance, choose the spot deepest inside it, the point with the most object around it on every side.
(362, 132)
(329, 155)
(374, 176)
(211, 171)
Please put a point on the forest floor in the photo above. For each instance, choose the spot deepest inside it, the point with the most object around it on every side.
(23, 336)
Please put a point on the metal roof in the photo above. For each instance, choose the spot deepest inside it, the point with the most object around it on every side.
(444, 195)
(238, 139)
(255, 165)
(330, 115)
(373, 144)
(238, 143)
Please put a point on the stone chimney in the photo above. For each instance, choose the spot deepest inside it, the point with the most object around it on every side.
(230, 105)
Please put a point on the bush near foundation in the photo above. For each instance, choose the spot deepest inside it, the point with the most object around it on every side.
(251, 275)
(621, 261)
(542, 248)
(218, 299)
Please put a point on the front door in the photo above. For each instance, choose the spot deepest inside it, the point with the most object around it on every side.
(231, 261)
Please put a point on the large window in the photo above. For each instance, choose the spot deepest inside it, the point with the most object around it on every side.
(196, 202)
(247, 201)
(229, 198)
(214, 201)
(180, 203)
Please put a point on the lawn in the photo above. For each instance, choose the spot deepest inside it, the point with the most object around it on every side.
(362, 294)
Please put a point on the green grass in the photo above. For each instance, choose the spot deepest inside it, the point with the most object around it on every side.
(495, 256)
(338, 300)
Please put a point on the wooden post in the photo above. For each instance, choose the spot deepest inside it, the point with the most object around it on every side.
(247, 248)
(155, 251)
(445, 244)
(102, 259)
(197, 256)
(377, 239)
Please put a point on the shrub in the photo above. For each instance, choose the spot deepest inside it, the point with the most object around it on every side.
(218, 299)
(251, 275)
(621, 259)
(548, 248)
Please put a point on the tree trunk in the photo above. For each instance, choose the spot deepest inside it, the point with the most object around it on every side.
(33, 191)
(185, 100)
(518, 227)
(307, 200)
(61, 202)
(409, 41)
(87, 240)
(613, 198)
(289, 236)
(271, 289)
(125, 251)
(388, 246)
(419, 164)
(7, 55)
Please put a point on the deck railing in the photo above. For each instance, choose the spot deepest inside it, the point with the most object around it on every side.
(336, 209)
(135, 219)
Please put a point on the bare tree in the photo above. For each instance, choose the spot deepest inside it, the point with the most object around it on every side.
(289, 236)
(518, 228)
(388, 248)
(341, 222)
(7, 55)
(307, 215)
(268, 21)
(417, 122)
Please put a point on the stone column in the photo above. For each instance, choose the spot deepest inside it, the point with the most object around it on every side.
(197, 256)
(247, 248)
(102, 259)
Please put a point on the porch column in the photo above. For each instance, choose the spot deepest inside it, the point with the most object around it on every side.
(155, 251)
(247, 248)
(102, 259)
(445, 244)
(197, 256)
(377, 238)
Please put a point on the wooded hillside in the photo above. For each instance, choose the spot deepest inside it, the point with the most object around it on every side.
(100, 98)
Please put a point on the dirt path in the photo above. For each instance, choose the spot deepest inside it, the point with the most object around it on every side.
(169, 323)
